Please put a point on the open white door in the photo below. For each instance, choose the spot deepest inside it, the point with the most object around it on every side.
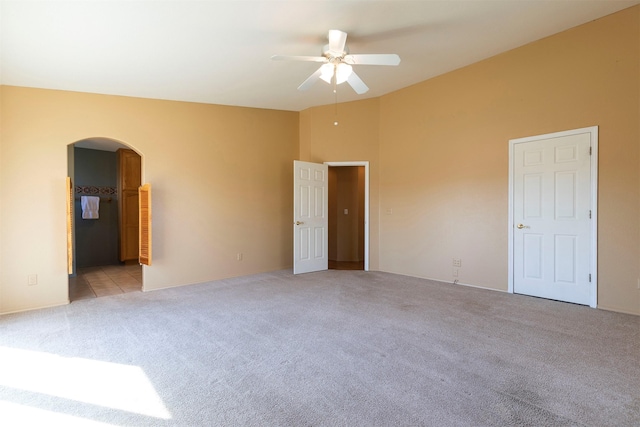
(310, 217)
(553, 223)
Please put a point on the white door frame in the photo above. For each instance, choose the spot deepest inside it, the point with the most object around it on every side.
(366, 204)
(593, 131)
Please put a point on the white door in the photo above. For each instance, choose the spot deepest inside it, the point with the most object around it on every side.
(552, 217)
(310, 217)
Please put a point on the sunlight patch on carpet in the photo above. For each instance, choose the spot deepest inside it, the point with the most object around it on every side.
(105, 384)
(22, 415)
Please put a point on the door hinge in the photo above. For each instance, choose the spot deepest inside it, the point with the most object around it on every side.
(590, 150)
(589, 277)
(589, 213)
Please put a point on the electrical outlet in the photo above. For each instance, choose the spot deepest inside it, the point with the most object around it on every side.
(457, 262)
(32, 279)
(455, 272)
(239, 256)
(389, 211)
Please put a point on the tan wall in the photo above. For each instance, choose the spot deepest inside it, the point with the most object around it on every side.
(438, 154)
(221, 181)
(444, 155)
(354, 139)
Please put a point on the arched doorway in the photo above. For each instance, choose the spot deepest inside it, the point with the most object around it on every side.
(107, 173)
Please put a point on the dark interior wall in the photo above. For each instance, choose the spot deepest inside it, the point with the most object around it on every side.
(96, 239)
(333, 214)
(346, 230)
(361, 232)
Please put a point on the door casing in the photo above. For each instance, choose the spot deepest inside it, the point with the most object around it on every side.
(593, 131)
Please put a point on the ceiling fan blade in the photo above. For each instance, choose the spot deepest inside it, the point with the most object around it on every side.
(373, 59)
(311, 80)
(337, 40)
(299, 58)
(357, 84)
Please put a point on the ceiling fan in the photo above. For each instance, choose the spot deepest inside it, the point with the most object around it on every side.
(337, 63)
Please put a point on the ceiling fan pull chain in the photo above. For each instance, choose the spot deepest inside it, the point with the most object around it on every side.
(335, 91)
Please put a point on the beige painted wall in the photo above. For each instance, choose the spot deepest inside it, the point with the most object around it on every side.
(354, 139)
(439, 154)
(438, 168)
(444, 155)
(221, 180)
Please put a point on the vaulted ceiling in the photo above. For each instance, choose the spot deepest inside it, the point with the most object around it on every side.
(219, 51)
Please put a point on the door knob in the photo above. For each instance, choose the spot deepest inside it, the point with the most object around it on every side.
(521, 226)
(299, 222)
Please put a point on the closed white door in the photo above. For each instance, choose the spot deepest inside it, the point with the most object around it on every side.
(310, 217)
(552, 217)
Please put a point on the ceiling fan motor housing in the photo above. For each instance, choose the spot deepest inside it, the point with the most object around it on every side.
(331, 56)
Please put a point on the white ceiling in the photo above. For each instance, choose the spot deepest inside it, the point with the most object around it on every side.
(219, 51)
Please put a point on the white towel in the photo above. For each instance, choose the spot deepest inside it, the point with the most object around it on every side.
(90, 207)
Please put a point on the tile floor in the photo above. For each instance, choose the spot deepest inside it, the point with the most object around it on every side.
(92, 282)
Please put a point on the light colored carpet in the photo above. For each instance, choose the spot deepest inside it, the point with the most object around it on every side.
(336, 348)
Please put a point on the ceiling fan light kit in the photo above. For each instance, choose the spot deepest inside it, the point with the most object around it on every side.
(338, 62)
(326, 72)
(341, 72)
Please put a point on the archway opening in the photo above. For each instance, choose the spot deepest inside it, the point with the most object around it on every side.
(105, 175)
